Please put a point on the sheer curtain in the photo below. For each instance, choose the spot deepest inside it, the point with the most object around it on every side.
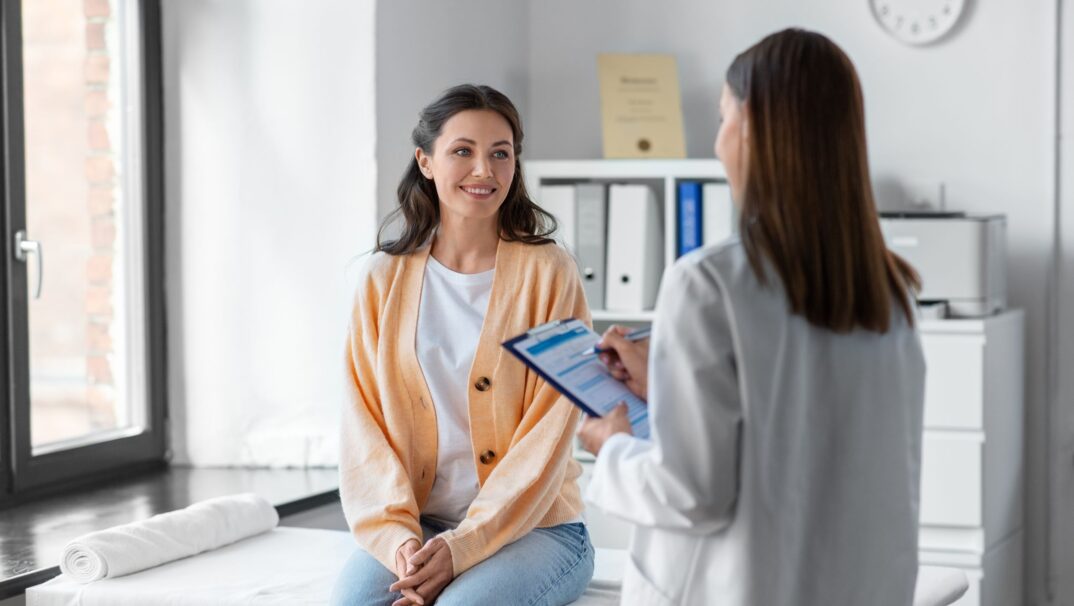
(270, 173)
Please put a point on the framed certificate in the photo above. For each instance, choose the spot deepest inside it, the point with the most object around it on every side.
(641, 107)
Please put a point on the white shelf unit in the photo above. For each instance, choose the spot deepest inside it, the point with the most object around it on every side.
(603, 315)
(662, 175)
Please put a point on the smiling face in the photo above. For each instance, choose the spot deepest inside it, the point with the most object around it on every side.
(731, 142)
(472, 164)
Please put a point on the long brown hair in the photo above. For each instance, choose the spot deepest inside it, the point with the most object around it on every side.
(520, 219)
(807, 200)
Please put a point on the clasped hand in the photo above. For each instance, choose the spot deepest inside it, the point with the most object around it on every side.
(423, 571)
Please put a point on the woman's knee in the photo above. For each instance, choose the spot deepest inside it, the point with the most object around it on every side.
(363, 581)
(549, 567)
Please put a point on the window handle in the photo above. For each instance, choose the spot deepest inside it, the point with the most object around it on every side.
(23, 248)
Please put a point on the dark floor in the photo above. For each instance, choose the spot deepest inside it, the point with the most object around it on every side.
(32, 535)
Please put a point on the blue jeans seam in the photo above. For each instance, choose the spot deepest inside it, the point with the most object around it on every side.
(568, 570)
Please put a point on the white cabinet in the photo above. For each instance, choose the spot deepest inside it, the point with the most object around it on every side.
(951, 470)
(954, 404)
(972, 454)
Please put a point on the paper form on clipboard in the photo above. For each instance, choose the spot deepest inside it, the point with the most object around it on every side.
(556, 352)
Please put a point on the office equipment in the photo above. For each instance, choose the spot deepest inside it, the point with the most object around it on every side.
(635, 239)
(690, 216)
(591, 204)
(961, 258)
(560, 201)
(718, 213)
(556, 352)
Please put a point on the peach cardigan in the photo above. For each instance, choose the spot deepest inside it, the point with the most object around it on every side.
(521, 428)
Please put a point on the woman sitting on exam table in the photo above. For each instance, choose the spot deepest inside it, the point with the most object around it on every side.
(785, 378)
(456, 474)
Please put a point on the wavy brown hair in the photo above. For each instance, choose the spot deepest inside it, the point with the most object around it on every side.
(807, 200)
(520, 219)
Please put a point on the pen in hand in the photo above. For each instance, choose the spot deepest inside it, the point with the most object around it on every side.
(637, 335)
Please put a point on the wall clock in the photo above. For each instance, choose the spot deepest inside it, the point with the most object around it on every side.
(917, 22)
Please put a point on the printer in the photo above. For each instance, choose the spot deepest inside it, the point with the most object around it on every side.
(962, 259)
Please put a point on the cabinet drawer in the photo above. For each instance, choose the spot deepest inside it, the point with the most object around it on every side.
(951, 475)
(954, 380)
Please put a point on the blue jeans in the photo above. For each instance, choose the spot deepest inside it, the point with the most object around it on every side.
(549, 566)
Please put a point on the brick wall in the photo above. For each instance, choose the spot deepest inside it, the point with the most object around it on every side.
(101, 206)
(72, 167)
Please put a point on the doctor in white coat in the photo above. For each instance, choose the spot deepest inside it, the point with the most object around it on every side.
(785, 378)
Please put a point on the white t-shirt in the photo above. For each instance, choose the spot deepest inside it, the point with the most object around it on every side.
(450, 316)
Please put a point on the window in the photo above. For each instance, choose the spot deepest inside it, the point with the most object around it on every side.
(83, 292)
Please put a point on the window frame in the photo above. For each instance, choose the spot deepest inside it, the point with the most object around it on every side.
(7, 450)
(24, 473)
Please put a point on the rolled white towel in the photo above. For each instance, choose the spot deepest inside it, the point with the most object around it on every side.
(166, 537)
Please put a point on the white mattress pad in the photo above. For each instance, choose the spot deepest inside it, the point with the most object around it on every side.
(289, 566)
(294, 566)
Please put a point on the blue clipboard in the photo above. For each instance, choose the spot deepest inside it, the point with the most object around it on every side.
(556, 352)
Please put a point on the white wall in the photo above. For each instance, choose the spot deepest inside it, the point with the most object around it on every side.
(270, 173)
(425, 47)
(974, 112)
(1063, 428)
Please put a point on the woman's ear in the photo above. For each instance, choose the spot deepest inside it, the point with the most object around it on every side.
(423, 161)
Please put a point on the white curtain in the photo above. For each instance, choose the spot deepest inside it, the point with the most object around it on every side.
(270, 196)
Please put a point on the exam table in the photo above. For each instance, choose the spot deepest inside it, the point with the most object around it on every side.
(299, 566)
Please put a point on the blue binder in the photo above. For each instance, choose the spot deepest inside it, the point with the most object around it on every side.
(690, 225)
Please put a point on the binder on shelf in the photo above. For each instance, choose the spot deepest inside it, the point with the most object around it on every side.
(689, 215)
(560, 201)
(591, 205)
(718, 213)
(635, 248)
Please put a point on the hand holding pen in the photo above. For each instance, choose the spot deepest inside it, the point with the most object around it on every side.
(638, 335)
(626, 354)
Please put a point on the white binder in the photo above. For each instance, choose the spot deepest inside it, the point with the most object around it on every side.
(635, 248)
(560, 201)
(718, 214)
(592, 221)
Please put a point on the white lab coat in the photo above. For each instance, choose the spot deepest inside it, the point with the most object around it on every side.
(784, 462)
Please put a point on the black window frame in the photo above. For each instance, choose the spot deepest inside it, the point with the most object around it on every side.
(22, 474)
